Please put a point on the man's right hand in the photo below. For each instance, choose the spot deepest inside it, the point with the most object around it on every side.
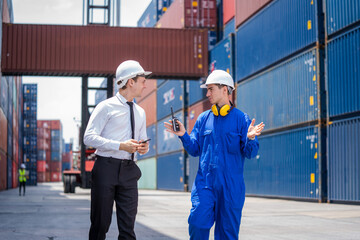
(129, 146)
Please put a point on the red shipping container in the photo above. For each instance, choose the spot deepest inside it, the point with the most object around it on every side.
(41, 177)
(55, 125)
(151, 85)
(149, 105)
(42, 144)
(15, 175)
(47, 177)
(55, 176)
(3, 169)
(228, 10)
(3, 132)
(194, 111)
(245, 9)
(66, 157)
(41, 166)
(55, 166)
(48, 156)
(44, 124)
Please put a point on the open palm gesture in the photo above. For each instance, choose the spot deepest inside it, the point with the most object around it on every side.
(255, 130)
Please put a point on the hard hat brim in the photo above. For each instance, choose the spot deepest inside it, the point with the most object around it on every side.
(146, 73)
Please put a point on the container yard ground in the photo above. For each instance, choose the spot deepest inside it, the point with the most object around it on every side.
(47, 213)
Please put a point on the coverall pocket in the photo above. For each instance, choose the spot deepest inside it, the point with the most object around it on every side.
(233, 142)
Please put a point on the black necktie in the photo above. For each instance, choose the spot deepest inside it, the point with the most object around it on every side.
(132, 123)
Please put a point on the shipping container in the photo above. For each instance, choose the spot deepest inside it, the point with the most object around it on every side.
(4, 97)
(166, 141)
(228, 10)
(32, 178)
(93, 51)
(170, 172)
(3, 131)
(55, 125)
(245, 9)
(30, 92)
(149, 17)
(41, 166)
(44, 124)
(151, 85)
(170, 94)
(221, 57)
(41, 177)
(260, 42)
(30, 157)
(195, 111)
(9, 173)
(30, 143)
(30, 126)
(55, 166)
(340, 14)
(287, 165)
(55, 176)
(66, 166)
(30, 109)
(284, 95)
(195, 93)
(343, 68)
(68, 147)
(3, 170)
(344, 160)
(55, 156)
(151, 133)
(148, 104)
(15, 177)
(148, 173)
(193, 169)
(229, 28)
(42, 144)
(41, 155)
(9, 141)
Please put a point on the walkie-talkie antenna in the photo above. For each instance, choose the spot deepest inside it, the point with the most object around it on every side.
(172, 113)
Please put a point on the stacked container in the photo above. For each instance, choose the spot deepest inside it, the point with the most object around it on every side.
(56, 151)
(67, 157)
(44, 144)
(30, 132)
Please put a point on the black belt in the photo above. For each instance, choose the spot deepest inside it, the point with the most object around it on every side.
(122, 160)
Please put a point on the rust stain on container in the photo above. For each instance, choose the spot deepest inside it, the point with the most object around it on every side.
(98, 50)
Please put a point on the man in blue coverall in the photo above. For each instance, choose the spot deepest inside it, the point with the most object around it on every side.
(222, 137)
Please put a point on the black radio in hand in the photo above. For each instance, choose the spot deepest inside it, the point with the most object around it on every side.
(175, 124)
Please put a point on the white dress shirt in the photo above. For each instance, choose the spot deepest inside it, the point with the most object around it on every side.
(110, 124)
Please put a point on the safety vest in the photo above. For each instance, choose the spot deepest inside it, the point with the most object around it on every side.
(22, 177)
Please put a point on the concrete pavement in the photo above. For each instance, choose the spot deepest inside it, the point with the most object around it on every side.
(47, 213)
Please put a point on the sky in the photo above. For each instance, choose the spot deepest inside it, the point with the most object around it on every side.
(60, 97)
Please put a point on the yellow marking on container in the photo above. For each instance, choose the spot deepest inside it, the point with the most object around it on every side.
(27, 125)
(181, 179)
(195, 4)
(315, 157)
(314, 68)
(27, 143)
(164, 9)
(27, 108)
(330, 122)
(312, 2)
(314, 78)
(199, 46)
(180, 97)
(312, 178)
(228, 70)
(200, 66)
(311, 100)
(182, 20)
(27, 91)
(199, 56)
(315, 145)
(309, 25)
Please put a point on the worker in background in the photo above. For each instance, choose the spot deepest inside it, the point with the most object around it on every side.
(222, 137)
(22, 179)
(116, 129)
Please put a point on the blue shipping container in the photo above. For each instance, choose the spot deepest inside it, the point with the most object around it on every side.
(343, 68)
(55, 156)
(344, 160)
(41, 155)
(68, 147)
(30, 142)
(166, 141)
(55, 145)
(280, 29)
(151, 133)
(30, 109)
(149, 17)
(30, 157)
(30, 92)
(284, 95)
(195, 93)
(287, 165)
(55, 135)
(65, 166)
(170, 94)
(170, 172)
(221, 56)
(229, 28)
(340, 14)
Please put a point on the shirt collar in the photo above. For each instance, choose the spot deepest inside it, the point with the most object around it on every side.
(121, 97)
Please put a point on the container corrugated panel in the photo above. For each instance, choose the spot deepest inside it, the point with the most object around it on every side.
(55, 176)
(15, 179)
(3, 131)
(41, 177)
(170, 172)
(30, 126)
(344, 160)
(221, 56)
(160, 82)
(30, 109)
(3, 171)
(194, 112)
(166, 141)
(66, 166)
(195, 93)
(30, 142)
(9, 141)
(10, 101)
(30, 157)
(344, 73)
(245, 9)
(340, 14)
(92, 50)
(148, 104)
(55, 166)
(151, 133)
(170, 94)
(261, 41)
(4, 98)
(284, 95)
(56, 125)
(148, 173)
(228, 10)
(229, 27)
(30, 92)
(41, 166)
(149, 17)
(287, 165)
(44, 124)
(151, 85)
(41, 154)
(9, 173)
(55, 156)
(193, 169)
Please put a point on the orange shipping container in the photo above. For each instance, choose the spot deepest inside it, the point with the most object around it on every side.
(149, 105)
(228, 10)
(194, 112)
(41, 166)
(3, 132)
(245, 9)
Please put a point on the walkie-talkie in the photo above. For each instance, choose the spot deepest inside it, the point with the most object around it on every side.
(175, 124)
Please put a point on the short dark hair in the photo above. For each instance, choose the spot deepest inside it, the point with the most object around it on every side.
(230, 90)
(134, 78)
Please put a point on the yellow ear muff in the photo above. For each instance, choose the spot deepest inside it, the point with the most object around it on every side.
(214, 109)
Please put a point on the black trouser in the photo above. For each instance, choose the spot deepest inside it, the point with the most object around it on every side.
(22, 184)
(113, 179)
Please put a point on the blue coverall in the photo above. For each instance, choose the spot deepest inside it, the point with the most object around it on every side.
(218, 193)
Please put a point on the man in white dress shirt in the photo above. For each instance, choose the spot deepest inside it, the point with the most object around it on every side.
(116, 129)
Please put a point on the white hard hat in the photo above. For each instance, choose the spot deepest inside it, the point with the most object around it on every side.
(22, 165)
(219, 77)
(127, 70)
